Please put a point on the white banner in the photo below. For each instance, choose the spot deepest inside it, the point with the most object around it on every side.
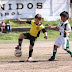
(49, 9)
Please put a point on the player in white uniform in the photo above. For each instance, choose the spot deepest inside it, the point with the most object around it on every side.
(63, 39)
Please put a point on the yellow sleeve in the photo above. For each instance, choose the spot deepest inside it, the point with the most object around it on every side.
(41, 27)
(32, 22)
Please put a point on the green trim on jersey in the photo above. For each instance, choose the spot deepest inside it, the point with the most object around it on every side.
(62, 24)
(65, 29)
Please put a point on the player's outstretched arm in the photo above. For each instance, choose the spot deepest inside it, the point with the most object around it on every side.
(45, 35)
(52, 27)
(21, 20)
(67, 31)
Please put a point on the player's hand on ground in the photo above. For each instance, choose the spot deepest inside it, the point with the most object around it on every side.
(45, 37)
(18, 18)
(49, 26)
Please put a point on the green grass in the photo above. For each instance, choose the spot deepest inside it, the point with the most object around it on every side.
(52, 35)
(9, 37)
(16, 23)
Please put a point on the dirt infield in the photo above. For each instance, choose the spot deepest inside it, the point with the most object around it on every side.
(42, 52)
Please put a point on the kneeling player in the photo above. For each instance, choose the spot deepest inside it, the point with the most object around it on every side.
(36, 27)
(65, 29)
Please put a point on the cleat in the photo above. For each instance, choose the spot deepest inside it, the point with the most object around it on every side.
(52, 58)
(29, 59)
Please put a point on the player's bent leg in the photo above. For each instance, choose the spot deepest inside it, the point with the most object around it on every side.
(54, 53)
(69, 51)
(32, 41)
(30, 50)
(21, 37)
(30, 53)
(66, 48)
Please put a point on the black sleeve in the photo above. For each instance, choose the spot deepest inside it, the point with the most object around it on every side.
(44, 30)
(28, 21)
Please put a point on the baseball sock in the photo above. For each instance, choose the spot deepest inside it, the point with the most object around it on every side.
(20, 42)
(54, 53)
(69, 51)
(30, 52)
(67, 48)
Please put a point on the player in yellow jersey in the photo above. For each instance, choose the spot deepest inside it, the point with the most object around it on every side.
(36, 27)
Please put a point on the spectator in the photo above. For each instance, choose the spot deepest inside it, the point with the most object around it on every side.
(1, 28)
(9, 28)
(3, 24)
